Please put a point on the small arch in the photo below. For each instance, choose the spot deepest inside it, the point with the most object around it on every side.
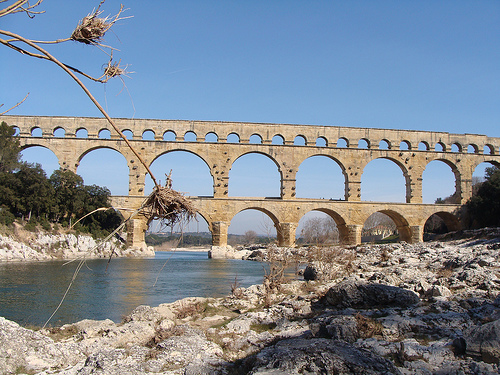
(278, 140)
(321, 142)
(456, 147)
(104, 134)
(379, 227)
(82, 133)
(128, 134)
(252, 225)
(472, 149)
(233, 138)
(255, 139)
(440, 147)
(190, 136)
(363, 143)
(211, 137)
(169, 136)
(384, 144)
(36, 132)
(148, 135)
(423, 146)
(17, 131)
(489, 149)
(59, 132)
(300, 140)
(342, 142)
(405, 146)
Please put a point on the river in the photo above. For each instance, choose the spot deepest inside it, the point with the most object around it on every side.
(30, 292)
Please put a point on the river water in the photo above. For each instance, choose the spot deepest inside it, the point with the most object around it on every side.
(30, 292)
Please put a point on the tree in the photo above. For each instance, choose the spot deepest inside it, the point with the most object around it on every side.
(483, 208)
(320, 231)
(9, 148)
(249, 237)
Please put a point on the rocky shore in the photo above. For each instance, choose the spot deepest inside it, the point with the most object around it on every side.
(427, 308)
(40, 246)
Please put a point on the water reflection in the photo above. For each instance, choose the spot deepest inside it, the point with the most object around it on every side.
(29, 292)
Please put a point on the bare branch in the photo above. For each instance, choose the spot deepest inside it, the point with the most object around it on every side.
(11, 108)
(18, 6)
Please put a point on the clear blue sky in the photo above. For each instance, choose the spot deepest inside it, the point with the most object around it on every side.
(423, 65)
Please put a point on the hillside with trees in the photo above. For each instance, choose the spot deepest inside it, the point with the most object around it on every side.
(32, 198)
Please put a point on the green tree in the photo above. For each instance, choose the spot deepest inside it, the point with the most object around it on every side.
(9, 148)
(69, 194)
(483, 208)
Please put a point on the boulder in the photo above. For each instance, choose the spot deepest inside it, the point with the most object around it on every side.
(318, 356)
(484, 342)
(355, 294)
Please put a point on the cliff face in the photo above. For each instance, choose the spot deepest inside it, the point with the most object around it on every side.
(428, 308)
(42, 246)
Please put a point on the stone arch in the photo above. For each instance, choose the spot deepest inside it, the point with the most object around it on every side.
(129, 134)
(342, 142)
(107, 167)
(278, 139)
(339, 221)
(104, 134)
(440, 147)
(50, 161)
(81, 133)
(36, 131)
(456, 147)
(300, 140)
(456, 173)
(190, 136)
(406, 178)
(472, 149)
(488, 149)
(321, 142)
(169, 136)
(59, 132)
(233, 138)
(211, 137)
(148, 135)
(405, 145)
(450, 220)
(424, 146)
(301, 183)
(255, 139)
(265, 174)
(364, 143)
(402, 225)
(270, 218)
(384, 144)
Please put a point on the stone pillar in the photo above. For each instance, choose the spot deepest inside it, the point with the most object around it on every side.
(137, 177)
(417, 233)
(286, 235)
(353, 234)
(353, 189)
(414, 188)
(219, 233)
(463, 185)
(136, 229)
(288, 187)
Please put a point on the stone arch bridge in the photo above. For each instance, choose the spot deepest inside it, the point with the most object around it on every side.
(219, 144)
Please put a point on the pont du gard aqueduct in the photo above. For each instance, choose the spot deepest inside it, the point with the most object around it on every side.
(219, 144)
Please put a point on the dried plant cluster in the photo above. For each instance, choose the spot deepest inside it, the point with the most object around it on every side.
(92, 28)
(168, 205)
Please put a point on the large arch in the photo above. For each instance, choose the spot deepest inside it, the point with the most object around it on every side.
(191, 173)
(441, 180)
(246, 181)
(402, 225)
(42, 155)
(337, 218)
(315, 179)
(373, 182)
(450, 220)
(263, 227)
(106, 167)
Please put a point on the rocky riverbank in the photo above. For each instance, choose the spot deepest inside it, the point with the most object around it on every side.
(27, 246)
(429, 308)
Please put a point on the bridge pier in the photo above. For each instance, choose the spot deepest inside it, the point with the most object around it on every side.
(219, 233)
(353, 234)
(136, 230)
(417, 233)
(286, 234)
